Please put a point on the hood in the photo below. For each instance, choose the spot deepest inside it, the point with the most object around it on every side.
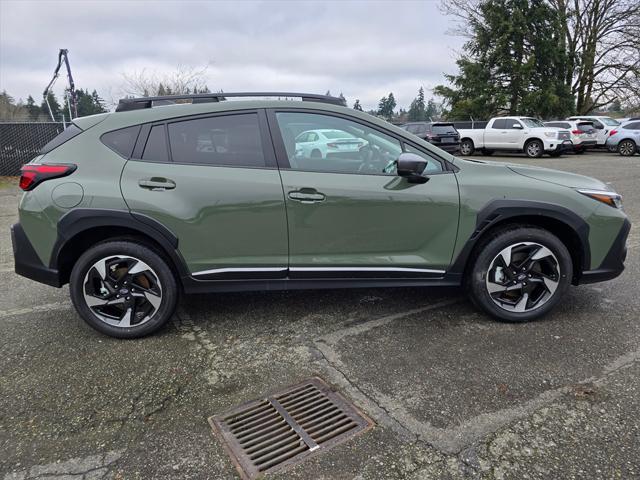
(558, 177)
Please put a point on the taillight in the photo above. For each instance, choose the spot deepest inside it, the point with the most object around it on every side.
(613, 132)
(34, 173)
(577, 132)
(332, 145)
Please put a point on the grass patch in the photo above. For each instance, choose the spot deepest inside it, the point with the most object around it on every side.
(8, 182)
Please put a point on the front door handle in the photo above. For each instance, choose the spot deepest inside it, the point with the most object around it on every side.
(157, 183)
(306, 195)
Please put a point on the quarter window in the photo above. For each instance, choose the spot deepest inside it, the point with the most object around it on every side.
(122, 140)
(347, 147)
(229, 140)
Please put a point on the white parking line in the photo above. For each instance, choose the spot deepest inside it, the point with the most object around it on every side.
(38, 308)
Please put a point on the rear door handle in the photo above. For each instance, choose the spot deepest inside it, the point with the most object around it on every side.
(306, 195)
(157, 183)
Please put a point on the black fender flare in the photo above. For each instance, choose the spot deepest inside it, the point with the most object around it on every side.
(81, 220)
(497, 211)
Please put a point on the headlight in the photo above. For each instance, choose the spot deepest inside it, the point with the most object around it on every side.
(550, 134)
(612, 199)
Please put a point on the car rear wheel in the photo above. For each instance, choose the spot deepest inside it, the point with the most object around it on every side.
(627, 148)
(520, 274)
(123, 289)
(534, 149)
(466, 147)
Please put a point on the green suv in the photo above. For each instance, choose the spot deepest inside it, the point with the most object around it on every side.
(214, 193)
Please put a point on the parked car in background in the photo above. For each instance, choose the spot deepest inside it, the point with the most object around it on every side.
(602, 124)
(441, 134)
(324, 143)
(583, 133)
(625, 139)
(516, 134)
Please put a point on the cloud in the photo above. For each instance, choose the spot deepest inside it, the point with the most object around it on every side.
(363, 49)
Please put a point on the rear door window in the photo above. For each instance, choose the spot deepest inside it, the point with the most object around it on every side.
(226, 140)
(499, 124)
(156, 148)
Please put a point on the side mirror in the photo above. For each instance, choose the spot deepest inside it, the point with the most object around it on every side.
(411, 166)
(517, 126)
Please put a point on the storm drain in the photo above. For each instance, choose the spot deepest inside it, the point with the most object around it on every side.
(283, 429)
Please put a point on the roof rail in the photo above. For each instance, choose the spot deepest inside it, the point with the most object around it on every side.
(126, 104)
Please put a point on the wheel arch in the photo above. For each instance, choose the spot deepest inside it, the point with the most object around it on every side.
(80, 229)
(570, 228)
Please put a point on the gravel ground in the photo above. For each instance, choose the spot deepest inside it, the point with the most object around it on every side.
(453, 394)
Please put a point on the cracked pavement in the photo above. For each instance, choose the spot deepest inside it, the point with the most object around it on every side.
(453, 394)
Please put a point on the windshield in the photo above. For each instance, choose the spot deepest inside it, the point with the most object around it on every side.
(532, 122)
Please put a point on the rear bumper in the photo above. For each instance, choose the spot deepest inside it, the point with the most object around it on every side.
(585, 144)
(448, 147)
(613, 263)
(27, 262)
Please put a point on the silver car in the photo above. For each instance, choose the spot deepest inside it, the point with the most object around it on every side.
(625, 139)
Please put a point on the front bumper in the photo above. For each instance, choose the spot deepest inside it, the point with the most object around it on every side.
(27, 262)
(613, 264)
(557, 146)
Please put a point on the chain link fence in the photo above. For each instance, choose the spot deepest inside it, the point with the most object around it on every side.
(20, 142)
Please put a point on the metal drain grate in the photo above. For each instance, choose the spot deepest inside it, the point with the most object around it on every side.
(283, 429)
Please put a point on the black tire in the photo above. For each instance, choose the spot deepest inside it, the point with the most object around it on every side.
(134, 251)
(489, 250)
(627, 148)
(467, 147)
(486, 152)
(534, 148)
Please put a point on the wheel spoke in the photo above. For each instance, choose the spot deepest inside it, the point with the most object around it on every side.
(125, 321)
(542, 252)
(493, 287)
(101, 268)
(93, 301)
(506, 256)
(138, 267)
(521, 306)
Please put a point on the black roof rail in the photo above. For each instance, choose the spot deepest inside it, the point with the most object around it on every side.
(126, 104)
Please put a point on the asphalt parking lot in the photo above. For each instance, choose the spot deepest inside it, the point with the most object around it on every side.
(453, 394)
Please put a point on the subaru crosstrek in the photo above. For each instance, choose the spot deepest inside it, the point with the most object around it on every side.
(135, 207)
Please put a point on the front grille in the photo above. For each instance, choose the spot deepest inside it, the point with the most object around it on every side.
(283, 429)
(564, 135)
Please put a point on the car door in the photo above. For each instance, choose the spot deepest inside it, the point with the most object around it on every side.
(514, 133)
(495, 134)
(359, 220)
(213, 181)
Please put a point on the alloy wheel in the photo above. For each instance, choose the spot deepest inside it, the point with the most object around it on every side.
(465, 148)
(122, 291)
(533, 149)
(523, 277)
(627, 148)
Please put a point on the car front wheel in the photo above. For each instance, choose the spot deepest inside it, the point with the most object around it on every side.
(123, 289)
(534, 149)
(520, 274)
(466, 147)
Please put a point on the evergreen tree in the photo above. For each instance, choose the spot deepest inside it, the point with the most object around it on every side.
(386, 106)
(417, 110)
(55, 107)
(510, 66)
(32, 108)
(357, 106)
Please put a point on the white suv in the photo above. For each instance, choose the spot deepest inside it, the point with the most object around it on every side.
(583, 133)
(603, 126)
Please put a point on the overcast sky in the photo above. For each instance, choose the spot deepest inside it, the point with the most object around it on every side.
(363, 49)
